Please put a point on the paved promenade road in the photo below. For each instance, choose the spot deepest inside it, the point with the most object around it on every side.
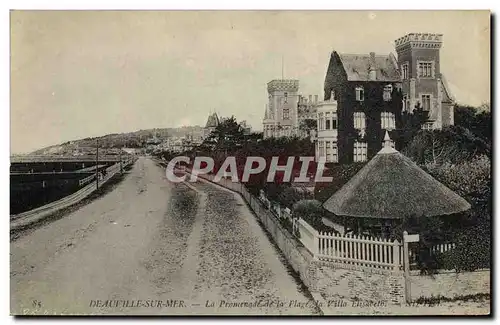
(154, 247)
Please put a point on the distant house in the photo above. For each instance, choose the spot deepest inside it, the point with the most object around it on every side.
(286, 109)
(246, 128)
(280, 117)
(212, 122)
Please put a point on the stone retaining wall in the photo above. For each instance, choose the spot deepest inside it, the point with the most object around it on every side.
(331, 283)
(323, 278)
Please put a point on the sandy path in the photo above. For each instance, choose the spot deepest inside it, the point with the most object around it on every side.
(157, 242)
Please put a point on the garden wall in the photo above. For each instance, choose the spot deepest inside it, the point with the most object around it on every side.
(323, 279)
(330, 283)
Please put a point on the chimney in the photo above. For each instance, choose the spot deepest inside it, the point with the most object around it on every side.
(372, 69)
(315, 98)
(310, 98)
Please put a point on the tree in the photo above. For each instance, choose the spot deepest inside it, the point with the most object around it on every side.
(307, 125)
(453, 144)
(477, 120)
(227, 134)
(412, 123)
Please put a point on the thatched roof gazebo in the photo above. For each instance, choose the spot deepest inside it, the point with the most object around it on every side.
(390, 188)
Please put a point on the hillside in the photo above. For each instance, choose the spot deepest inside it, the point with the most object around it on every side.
(135, 139)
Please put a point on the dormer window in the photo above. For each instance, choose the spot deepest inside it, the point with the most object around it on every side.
(387, 93)
(360, 94)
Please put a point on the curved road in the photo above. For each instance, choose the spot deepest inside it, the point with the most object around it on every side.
(154, 247)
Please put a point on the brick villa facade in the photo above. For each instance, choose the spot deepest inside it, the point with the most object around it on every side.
(366, 94)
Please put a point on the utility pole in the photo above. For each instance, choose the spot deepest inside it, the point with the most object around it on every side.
(121, 165)
(97, 164)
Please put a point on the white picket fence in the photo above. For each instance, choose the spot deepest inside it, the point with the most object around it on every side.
(441, 248)
(342, 250)
(362, 251)
(414, 251)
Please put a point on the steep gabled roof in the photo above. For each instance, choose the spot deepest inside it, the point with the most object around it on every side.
(448, 96)
(213, 121)
(357, 67)
(392, 186)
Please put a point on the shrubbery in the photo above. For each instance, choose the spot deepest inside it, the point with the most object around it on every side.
(459, 158)
(341, 174)
(453, 145)
(472, 251)
(471, 230)
(470, 179)
(312, 212)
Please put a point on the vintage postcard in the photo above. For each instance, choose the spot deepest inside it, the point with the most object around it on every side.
(250, 163)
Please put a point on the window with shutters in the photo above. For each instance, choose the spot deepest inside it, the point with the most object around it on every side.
(388, 120)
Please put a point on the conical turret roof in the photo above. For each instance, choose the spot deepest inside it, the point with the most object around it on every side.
(213, 120)
(392, 186)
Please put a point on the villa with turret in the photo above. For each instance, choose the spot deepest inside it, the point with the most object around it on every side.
(286, 109)
(366, 94)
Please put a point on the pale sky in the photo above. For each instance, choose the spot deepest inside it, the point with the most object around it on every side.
(89, 73)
